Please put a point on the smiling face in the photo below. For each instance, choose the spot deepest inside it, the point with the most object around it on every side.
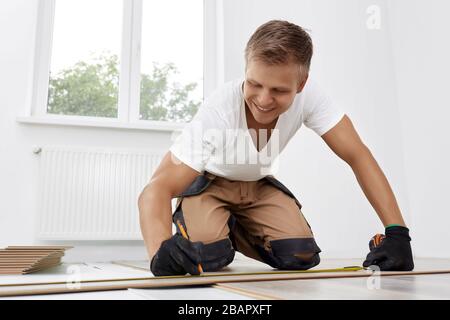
(269, 90)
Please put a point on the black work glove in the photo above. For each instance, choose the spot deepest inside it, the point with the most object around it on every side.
(391, 252)
(176, 256)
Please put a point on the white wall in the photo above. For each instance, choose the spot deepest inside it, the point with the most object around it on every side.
(421, 47)
(367, 72)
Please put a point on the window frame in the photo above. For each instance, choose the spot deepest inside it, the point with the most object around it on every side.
(128, 112)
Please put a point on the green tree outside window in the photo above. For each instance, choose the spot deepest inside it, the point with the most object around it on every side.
(91, 89)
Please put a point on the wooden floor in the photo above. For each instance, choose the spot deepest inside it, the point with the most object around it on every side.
(436, 286)
(388, 288)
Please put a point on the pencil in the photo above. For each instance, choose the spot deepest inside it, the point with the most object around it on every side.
(184, 234)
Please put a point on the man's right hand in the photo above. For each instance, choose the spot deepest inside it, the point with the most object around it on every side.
(176, 256)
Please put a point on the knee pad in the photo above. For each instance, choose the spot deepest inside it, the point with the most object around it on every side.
(291, 254)
(217, 255)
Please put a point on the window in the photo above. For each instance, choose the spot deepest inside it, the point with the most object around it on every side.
(85, 58)
(121, 60)
(172, 59)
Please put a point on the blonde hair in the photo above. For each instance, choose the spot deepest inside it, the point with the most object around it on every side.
(280, 42)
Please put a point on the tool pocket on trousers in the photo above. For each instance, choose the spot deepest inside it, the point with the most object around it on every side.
(200, 184)
(277, 184)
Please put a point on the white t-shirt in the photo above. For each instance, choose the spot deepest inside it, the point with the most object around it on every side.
(217, 139)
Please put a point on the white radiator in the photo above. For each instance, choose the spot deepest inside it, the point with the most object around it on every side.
(92, 193)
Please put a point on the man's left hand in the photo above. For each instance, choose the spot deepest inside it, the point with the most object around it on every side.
(393, 253)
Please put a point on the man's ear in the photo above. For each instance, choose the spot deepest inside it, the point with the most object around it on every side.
(302, 84)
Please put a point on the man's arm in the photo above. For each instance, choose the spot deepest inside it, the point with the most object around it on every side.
(346, 143)
(171, 178)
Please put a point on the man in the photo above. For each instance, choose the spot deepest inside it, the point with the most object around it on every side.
(220, 170)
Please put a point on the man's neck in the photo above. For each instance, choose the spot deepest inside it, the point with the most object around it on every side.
(253, 124)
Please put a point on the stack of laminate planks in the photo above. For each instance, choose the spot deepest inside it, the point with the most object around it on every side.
(27, 259)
